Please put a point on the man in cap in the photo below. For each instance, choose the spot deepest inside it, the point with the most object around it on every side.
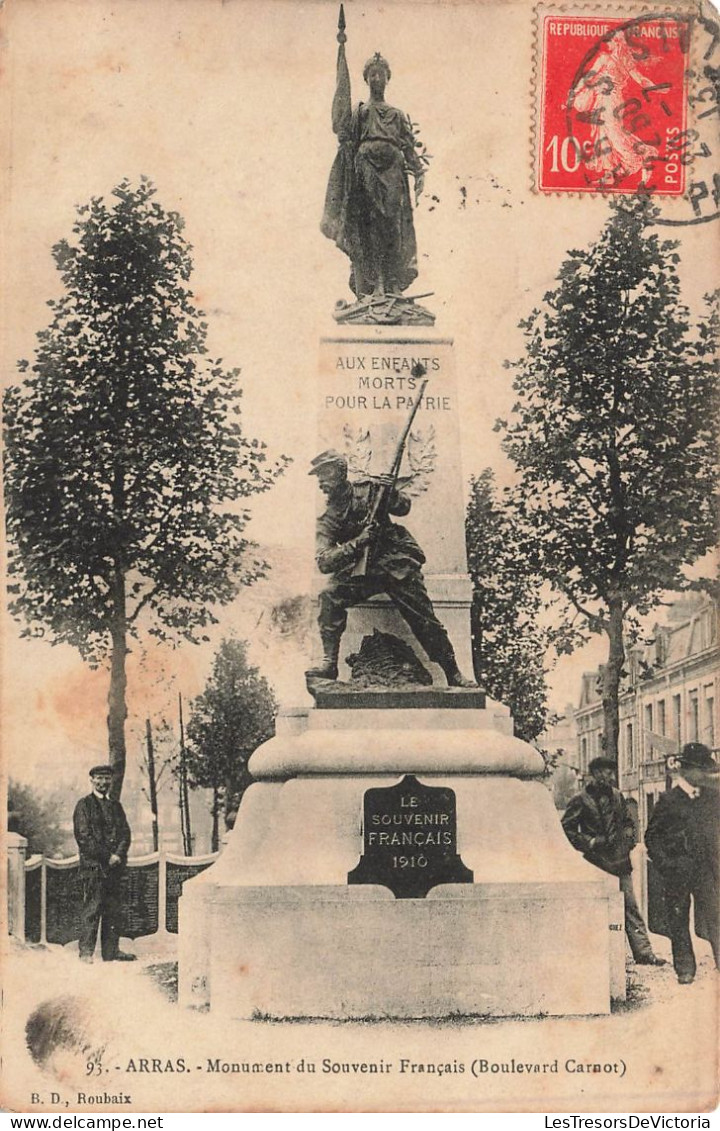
(343, 533)
(683, 842)
(103, 837)
(599, 824)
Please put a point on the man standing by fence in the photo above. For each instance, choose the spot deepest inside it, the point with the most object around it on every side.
(103, 836)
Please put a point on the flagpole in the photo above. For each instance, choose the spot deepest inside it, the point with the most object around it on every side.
(342, 107)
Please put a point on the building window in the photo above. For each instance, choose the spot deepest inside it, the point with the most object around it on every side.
(629, 751)
(661, 720)
(649, 716)
(583, 755)
(649, 806)
(694, 717)
(709, 738)
(634, 813)
(677, 716)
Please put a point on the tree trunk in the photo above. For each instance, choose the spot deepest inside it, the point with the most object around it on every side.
(230, 804)
(183, 788)
(152, 785)
(117, 706)
(611, 679)
(476, 639)
(215, 841)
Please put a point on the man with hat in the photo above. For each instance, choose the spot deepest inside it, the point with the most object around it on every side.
(599, 824)
(343, 533)
(103, 836)
(683, 842)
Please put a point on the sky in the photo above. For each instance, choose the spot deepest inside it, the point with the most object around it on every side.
(226, 107)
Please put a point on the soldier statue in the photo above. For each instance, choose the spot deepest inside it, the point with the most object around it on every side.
(363, 556)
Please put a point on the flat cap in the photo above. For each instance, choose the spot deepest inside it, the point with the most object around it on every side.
(102, 771)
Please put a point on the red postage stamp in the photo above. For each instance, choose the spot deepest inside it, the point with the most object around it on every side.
(613, 105)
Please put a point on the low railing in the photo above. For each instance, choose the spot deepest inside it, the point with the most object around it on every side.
(45, 897)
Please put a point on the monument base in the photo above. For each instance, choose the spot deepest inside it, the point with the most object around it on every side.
(274, 929)
(357, 952)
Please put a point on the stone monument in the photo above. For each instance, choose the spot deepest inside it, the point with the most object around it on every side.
(397, 854)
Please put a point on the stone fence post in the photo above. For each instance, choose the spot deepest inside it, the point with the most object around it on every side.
(17, 850)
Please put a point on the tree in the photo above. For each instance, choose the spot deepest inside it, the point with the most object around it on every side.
(508, 644)
(233, 715)
(613, 434)
(34, 815)
(154, 771)
(127, 471)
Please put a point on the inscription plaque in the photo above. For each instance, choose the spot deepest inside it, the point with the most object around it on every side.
(410, 839)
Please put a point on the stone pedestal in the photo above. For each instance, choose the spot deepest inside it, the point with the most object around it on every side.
(274, 929)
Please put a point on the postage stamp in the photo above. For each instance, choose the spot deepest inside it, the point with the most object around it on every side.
(192, 182)
(613, 104)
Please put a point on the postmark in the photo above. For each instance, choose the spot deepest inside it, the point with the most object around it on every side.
(701, 144)
(613, 109)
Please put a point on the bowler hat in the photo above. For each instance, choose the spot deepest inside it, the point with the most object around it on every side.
(696, 756)
(102, 771)
(324, 459)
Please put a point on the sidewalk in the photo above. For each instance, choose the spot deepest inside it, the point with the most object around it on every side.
(110, 1036)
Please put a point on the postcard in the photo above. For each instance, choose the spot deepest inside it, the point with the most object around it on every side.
(357, 374)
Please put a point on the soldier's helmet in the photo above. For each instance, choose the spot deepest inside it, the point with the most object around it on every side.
(326, 459)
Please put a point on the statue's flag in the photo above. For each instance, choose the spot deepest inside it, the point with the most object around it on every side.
(342, 107)
(339, 221)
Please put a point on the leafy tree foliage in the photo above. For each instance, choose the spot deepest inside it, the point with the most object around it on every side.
(127, 471)
(614, 433)
(232, 717)
(509, 645)
(35, 815)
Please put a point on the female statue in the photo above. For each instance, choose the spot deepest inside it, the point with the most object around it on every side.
(368, 212)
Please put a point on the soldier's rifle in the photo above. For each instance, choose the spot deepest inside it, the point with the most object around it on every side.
(380, 510)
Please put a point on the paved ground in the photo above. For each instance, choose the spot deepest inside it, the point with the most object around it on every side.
(112, 1035)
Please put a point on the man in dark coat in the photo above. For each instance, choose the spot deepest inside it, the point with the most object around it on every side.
(103, 837)
(683, 842)
(598, 823)
(343, 532)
